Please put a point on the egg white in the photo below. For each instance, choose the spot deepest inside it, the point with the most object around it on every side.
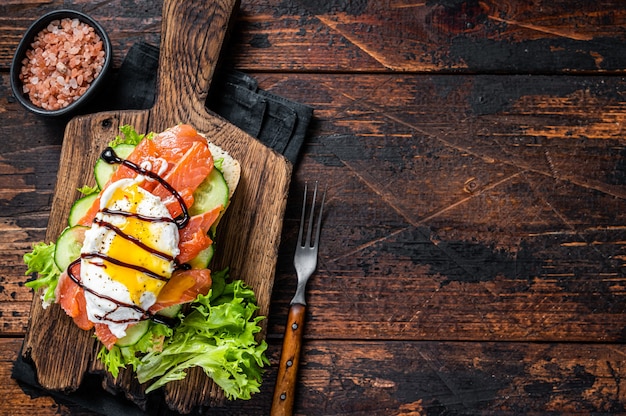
(162, 236)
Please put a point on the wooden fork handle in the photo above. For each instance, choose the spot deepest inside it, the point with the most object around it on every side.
(282, 403)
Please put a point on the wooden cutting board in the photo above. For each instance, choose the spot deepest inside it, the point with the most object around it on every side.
(193, 32)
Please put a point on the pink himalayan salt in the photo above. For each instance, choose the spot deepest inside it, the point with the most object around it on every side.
(64, 59)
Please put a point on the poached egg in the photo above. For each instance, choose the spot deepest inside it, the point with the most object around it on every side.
(128, 255)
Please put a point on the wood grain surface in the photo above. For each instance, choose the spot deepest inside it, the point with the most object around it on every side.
(443, 36)
(472, 255)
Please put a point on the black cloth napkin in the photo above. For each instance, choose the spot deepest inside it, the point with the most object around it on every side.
(277, 122)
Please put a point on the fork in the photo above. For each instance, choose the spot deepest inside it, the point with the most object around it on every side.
(305, 262)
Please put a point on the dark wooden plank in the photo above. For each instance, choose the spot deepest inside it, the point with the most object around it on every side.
(439, 36)
(451, 217)
(21, 400)
(28, 168)
(409, 378)
(512, 36)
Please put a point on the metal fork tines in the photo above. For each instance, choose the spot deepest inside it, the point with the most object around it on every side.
(305, 258)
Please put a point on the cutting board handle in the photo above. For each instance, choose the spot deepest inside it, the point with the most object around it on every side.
(192, 34)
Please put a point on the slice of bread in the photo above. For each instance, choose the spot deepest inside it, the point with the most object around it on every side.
(231, 169)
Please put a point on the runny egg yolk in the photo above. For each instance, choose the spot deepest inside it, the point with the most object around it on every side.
(125, 250)
(136, 283)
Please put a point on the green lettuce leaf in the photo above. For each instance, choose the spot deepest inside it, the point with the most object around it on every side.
(217, 335)
(88, 190)
(121, 357)
(129, 136)
(41, 261)
(218, 163)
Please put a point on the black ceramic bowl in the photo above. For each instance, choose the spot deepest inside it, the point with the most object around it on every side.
(25, 45)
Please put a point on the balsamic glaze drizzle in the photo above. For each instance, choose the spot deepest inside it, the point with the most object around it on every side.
(132, 239)
(109, 156)
(121, 263)
(170, 322)
(138, 216)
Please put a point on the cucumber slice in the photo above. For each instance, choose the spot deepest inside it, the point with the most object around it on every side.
(103, 170)
(133, 334)
(68, 246)
(211, 193)
(202, 260)
(170, 311)
(80, 208)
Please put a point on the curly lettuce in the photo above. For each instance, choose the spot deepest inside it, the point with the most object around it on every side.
(217, 335)
(129, 136)
(40, 261)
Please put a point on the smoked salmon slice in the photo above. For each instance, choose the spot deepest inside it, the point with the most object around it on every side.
(184, 286)
(195, 236)
(192, 168)
(175, 141)
(71, 297)
(104, 334)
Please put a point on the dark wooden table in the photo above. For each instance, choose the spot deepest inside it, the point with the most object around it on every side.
(474, 252)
